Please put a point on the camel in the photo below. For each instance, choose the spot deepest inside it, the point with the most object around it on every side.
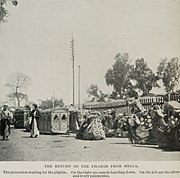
(163, 129)
(91, 128)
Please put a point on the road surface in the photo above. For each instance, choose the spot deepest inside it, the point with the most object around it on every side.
(21, 147)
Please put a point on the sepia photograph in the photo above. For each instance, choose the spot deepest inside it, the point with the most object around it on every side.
(89, 80)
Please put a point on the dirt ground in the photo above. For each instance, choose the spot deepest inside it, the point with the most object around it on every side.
(21, 147)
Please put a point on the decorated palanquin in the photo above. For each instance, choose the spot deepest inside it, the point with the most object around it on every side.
(91, 128)
(53, 121)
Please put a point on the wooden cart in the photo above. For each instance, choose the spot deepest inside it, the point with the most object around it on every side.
(21, 118)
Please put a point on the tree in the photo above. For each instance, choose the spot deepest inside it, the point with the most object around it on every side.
(169, 73)
(144, 77)
(3, 10)
(21, 96)
(119, 75)
(48, 103)
(18, 83)
(95, 93)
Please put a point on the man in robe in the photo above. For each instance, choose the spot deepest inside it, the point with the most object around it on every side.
(5, 123)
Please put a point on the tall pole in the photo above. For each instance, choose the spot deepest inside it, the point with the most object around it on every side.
(79, 87)
(72, 58)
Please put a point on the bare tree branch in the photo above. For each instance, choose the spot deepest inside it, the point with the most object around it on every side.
(18, 82)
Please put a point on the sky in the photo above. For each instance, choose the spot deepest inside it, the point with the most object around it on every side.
(36, 41)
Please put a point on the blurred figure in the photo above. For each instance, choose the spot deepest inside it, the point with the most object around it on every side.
(34, 125)
(113, 114)
(107, 120)
(5, 123)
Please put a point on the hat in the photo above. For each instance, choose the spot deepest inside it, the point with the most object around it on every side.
(35, 105)
(5, 105)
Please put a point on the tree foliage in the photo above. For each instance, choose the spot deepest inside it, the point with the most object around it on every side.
(127, 78)
(119, 75)
(95, 93)
(169, 73)
(144, 77)
(48, 103)
(18, 83)
(3, 9)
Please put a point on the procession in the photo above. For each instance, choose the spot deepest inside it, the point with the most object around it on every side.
(156, 126)
(89, 80)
